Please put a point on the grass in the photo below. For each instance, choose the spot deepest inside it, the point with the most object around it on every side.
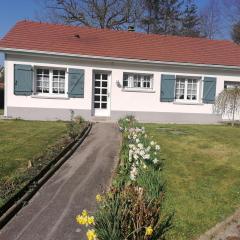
(202, 169)
(21, 141)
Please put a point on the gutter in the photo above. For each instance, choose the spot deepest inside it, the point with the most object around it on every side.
(128, 60)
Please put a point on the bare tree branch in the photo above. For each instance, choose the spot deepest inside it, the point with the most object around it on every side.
(113, 14)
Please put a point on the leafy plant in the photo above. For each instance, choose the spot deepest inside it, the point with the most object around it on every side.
(75, 126)
(228, 102)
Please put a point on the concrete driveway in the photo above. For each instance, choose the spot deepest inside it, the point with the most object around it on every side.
(51, 213)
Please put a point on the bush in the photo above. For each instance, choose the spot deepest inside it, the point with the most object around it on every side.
(75, 126)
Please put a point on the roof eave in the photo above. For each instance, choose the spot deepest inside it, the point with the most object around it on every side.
(89, 57)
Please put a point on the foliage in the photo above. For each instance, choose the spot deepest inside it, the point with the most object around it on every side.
(236, 32)
(75, 126)
(190, 20)
(162, 16)
(228, 102)
(133, 208)
(128, 213)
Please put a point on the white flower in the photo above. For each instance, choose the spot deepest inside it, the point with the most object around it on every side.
(134, 136)
(155, 153)
(130, 153)
(135, 156)
(148, 149)
(155, 160)
(133, 173)
(129, 137)
(137, 151)
(137, 140)
(130, 146)
(146, 156)
(145, 135)
(152, 143)
(157, 147)
(142, 153)
(140, 145)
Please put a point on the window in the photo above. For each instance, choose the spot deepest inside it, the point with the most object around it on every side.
(187, 89)
(58, 84)
(137, 80)
(51, 81)
(42, 84)
(229, 84)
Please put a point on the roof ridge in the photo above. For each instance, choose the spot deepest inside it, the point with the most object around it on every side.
(128, 32)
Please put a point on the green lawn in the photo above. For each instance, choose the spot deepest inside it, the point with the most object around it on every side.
(202, 168)
(21, 141)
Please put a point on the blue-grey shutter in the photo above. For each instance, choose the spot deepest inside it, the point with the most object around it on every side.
(76, 83)
(167, 88)
(23, 79)
(209, 89)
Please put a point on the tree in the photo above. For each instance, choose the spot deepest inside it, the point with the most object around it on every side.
(170, 13)
(228, 102)
(112, 14)
(161, 16)
(211, 20)
(149, 19)
(190, 20)
(236, 33)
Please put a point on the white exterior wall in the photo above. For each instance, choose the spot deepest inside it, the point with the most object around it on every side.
(120, 100)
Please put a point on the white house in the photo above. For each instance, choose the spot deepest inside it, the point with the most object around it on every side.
(53, 69)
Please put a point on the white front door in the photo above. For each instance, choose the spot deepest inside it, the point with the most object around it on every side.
(101, 100)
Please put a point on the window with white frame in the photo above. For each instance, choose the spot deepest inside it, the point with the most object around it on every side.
(51, 81)
(231, 84)
(138, 80)
(187, 88)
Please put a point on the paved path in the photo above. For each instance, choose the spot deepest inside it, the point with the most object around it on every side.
(51, 213)
(229, 229)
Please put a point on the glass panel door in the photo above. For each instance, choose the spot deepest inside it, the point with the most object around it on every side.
(101, 94)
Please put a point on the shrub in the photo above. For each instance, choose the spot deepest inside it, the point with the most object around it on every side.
(75, 126)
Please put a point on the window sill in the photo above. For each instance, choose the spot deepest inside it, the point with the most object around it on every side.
(50, 97)
(188, 103)
(138, 90)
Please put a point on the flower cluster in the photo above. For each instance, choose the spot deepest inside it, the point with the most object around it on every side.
(86, 220)
(142, 151)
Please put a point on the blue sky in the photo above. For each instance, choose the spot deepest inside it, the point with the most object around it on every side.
(15, 10)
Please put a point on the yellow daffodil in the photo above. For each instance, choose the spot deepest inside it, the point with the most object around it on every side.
(90, 220)
(84, 213)
(81, 220)
(91, 235)
(149, 231)
(98, 198)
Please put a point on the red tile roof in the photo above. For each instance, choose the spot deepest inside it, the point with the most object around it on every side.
(120, 44)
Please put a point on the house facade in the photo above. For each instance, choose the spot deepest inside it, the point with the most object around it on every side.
(52, 70)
